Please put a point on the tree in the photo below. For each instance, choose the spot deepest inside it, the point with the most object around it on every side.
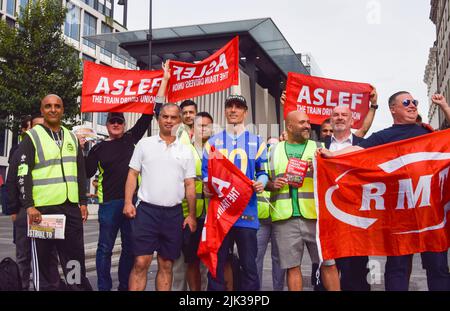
(35, 61)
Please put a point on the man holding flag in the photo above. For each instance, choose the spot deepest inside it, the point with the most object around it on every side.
(403, 108)
(248, 153)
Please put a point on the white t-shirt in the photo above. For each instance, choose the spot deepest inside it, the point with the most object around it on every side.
(163, 169)
(336, 145)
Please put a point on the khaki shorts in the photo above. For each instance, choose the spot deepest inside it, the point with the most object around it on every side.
(291, 236)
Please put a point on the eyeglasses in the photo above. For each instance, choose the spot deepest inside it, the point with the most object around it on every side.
(116, 120)
(407, 102)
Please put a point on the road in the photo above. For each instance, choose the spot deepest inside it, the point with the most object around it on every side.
(7, 249)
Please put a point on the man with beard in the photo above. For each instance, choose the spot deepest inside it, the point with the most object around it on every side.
(293, 213)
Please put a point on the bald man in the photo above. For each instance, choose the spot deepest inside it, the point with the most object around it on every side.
(52, 180)
(293, 212)
(353, 270)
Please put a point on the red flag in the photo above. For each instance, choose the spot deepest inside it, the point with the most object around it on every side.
(108, 89)
(232, 192)
(389, 200)
(318, 96)
(216, 73)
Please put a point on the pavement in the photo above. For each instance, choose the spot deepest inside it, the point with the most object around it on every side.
(376, 264)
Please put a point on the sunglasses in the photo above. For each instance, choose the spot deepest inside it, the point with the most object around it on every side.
(407, 102)
(116, 120)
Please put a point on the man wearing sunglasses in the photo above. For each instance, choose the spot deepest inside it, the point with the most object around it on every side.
(111, 158)
(403, 109)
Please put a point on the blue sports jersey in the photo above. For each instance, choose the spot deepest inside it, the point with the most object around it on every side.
(249, 153)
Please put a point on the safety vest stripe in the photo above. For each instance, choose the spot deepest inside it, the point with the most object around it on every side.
(287, 196)
(55, 162)
(38, 145)
(51, 181)
(261, 199)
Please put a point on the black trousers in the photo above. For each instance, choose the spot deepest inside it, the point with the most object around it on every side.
(70, 251)
(23, 252)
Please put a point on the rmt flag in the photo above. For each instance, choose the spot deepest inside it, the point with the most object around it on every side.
(389, 200)
(232, 192)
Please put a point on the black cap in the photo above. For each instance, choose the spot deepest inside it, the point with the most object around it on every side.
(236, 99)
(115, 115)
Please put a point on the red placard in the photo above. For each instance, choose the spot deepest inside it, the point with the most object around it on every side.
(216, 73)
(389, 200)
(107, 89)
(232, 192)
(296, 172)
(318, 96)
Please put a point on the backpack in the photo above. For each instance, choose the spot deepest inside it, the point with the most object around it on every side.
(9, 275)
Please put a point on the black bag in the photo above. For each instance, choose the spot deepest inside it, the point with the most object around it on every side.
(9, 275)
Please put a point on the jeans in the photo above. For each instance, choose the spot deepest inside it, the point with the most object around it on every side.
(245, 239)
(112, 220)
(263, 236)
(398, 270)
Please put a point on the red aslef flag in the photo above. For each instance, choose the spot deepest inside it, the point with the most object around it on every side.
(318, 96)
(389, 200)
(216, 73)
(232, 192)
(107, 89)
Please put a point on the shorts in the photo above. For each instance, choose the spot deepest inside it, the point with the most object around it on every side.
(291, 236)
(191, 241)
(157, 229)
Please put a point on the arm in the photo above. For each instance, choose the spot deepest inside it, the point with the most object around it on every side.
(161, 95)
(189, 186)
(82, 188)
(260, 162)
(440, 100)
(25, 154)
(130, 187)
(370, 115)
(328, 154)
(91, 162)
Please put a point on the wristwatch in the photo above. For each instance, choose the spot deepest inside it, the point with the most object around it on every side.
(374, 107)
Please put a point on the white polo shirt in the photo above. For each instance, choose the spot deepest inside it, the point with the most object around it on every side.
(163, 169)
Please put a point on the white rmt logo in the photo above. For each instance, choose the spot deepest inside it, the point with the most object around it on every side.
(375, 192)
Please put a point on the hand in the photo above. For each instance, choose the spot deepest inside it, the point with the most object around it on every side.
(373, 97)
(34, 215)
(439, 100)
(279, 183)
(206, 190)
(324, 153)
(310, 165)
(129, 210)
(191, 221)
(258, 186)
(283, 98)
(84, 212)
(165, 67)
(13, 217)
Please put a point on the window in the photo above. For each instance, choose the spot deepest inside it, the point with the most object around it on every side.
(101, 118)
(89, 2)
(89, 28)
(106, 29)
(3, 143)
(72, 23)
(11, 7)
(87, 57)
(11, 23)
(87, 116)
(119, 59)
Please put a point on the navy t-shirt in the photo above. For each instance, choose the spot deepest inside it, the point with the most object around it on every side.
(394, 133)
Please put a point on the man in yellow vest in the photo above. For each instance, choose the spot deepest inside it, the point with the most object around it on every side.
(189, 267)
(52, 180)
(293, 214)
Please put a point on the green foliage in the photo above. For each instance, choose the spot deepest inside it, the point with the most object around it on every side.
(35, 61)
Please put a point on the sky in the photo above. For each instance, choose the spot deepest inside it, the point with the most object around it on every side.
(382, 42)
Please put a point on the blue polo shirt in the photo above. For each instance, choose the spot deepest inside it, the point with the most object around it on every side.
(394, 133)
(249, 153)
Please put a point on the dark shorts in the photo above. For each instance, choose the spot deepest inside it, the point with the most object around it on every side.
(158, 229)
(191, 241)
